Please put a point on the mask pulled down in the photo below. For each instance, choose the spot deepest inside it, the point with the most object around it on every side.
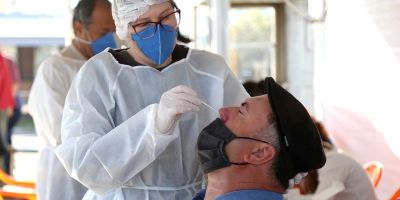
(211, 146)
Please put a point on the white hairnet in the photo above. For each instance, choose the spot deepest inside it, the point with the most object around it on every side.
(126, 11)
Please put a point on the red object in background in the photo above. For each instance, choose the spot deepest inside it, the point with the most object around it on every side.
(6, 98)
(374, 170)
(396, 195)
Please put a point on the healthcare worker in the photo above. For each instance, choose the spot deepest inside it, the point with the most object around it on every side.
(92, 23)
(132, 117)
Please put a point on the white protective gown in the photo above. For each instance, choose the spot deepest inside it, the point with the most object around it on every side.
(109, 140)
(46, 102)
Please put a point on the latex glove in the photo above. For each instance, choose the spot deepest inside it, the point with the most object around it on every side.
(173, 103)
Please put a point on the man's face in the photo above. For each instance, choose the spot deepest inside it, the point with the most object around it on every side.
(155, 13)
(101, 21)
(247, 121)
(250, 117)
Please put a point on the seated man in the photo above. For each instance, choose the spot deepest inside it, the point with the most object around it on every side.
(252, 151)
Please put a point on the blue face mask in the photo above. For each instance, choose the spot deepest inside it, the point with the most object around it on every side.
(102, 43)
(158, 47)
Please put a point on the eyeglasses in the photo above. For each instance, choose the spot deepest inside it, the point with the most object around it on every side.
(169, 22)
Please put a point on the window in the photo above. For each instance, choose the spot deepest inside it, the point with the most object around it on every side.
(202, 27)
(252, 42)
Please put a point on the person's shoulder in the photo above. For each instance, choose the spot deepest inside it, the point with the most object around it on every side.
(338, 155)
(341, 162)
(52, 59)
(101, 67)
(207, 62)
(103, 57)
(52, 65)
(102, 62)
(202, 55)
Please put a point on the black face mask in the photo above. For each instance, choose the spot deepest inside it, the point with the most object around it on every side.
(211, 146)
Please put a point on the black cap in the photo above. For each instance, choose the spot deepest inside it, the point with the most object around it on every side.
(299, 138)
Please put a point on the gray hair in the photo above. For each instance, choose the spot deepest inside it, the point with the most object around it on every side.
(83, 11)
(270, 134)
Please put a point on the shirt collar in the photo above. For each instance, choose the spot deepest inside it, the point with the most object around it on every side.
(251, 194)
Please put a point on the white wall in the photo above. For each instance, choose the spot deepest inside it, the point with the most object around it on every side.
(357, 84)
(299, 55)
(219, 31)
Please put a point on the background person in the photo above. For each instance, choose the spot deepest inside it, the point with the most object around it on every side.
(6, 108)
(93, 28)
(339, 168)
(132, 116)
(16, 114)
(266, 141)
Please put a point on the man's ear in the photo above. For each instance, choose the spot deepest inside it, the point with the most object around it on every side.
(78, 28)
(260, 154)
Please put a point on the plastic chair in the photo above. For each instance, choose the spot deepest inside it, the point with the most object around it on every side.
(18, 195)
(396, 195)
(13, 189)
(374, 170)
(9, 180)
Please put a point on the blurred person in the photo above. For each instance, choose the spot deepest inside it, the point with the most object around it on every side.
(254, 88)
(339, 168)
(253, 151)
(93, 28)
(309, 183)
(16, 114)
(6, 108)
(132, 116)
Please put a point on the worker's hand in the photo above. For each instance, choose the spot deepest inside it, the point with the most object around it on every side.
(173, 103)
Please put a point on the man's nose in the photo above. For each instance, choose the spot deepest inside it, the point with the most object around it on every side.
(223, 113)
